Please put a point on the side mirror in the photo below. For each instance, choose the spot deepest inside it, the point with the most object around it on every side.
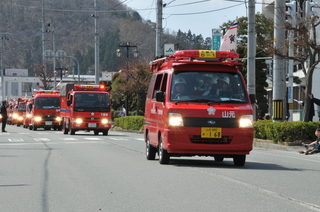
(159, 96)
(68, 102)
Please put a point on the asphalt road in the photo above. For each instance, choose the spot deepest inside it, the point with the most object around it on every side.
(49, 171)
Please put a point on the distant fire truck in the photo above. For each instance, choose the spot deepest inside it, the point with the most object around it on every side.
(18, 111)
(45, 112)
(85, 107)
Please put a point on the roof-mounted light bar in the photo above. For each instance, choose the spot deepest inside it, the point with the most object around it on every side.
(89, 87)
(46, 92)
(205, 54)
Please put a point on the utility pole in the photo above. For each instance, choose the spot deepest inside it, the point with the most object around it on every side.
(96, 44)
(43, 40)
(251, 65)
(279, 73)
(1, 64)
(292, 20)
(159, 51)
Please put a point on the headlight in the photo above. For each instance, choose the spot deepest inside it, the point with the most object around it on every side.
(58, 118)
(175, 119)
(104, 121)
(20, 118)
(78, 121)
(14, 115)
(246, 121)
(28, 115)
(37, 118)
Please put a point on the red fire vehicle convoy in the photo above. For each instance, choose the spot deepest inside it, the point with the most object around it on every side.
(197, 104)
(45, 110)
(85, 107)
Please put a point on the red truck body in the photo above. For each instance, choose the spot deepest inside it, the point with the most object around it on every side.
(45, 112)
(27, 113)
(211, 116)
(85, 107)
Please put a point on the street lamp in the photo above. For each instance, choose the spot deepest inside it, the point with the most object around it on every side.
(62, 71)
(135, 54)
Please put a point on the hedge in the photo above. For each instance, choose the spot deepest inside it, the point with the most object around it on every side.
(278, 132)
(285, 131)
(130, 122)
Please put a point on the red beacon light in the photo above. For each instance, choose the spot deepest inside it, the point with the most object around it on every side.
(46, 92)
(207, 55)
(89, 87)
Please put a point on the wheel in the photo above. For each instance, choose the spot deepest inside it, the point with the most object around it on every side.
(105, 132)
(150, 150)
(30, 127)
(239, 160)
(72, 131)
(64, 126)
(218, 158)
(164, 156)
(34, 128)
(96, 132)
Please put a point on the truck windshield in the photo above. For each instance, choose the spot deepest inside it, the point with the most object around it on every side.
(208, 87)
(47, 102)
(91, 102)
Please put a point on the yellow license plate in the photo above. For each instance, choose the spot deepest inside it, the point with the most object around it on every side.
(211, 132)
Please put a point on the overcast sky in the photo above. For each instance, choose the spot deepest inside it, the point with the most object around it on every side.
(199, 16)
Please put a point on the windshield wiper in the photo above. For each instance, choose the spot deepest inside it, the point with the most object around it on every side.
(201, 100)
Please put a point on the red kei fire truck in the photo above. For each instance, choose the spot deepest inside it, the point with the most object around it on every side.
(197, 104)
(85, 107)
(45, 110)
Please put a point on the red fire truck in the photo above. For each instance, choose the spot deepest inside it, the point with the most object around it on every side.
(18, 111)
(27, 114)
(45, 112)
(10, 109)
(85, 107)
(197, 104)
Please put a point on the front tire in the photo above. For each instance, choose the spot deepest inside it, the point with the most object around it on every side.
(218, 158)
(239, 160)
(164, 156)
(150, 150)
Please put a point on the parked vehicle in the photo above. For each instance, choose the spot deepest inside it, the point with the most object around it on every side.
(197, 104)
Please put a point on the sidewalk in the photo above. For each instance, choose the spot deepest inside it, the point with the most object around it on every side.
(268, 144)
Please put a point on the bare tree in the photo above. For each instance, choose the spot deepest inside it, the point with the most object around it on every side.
(306, 51)
(45, 78)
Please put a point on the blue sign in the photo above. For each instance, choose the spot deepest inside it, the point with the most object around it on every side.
(216, 42)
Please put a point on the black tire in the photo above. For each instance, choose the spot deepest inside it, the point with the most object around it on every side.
(96, 132)
(239, 160)
(34, 128)
(218, 158)
(164, 156)
(72, 131)
(105, 132)
(150, 150)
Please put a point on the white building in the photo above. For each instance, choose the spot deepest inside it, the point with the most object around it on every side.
(15, 83)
